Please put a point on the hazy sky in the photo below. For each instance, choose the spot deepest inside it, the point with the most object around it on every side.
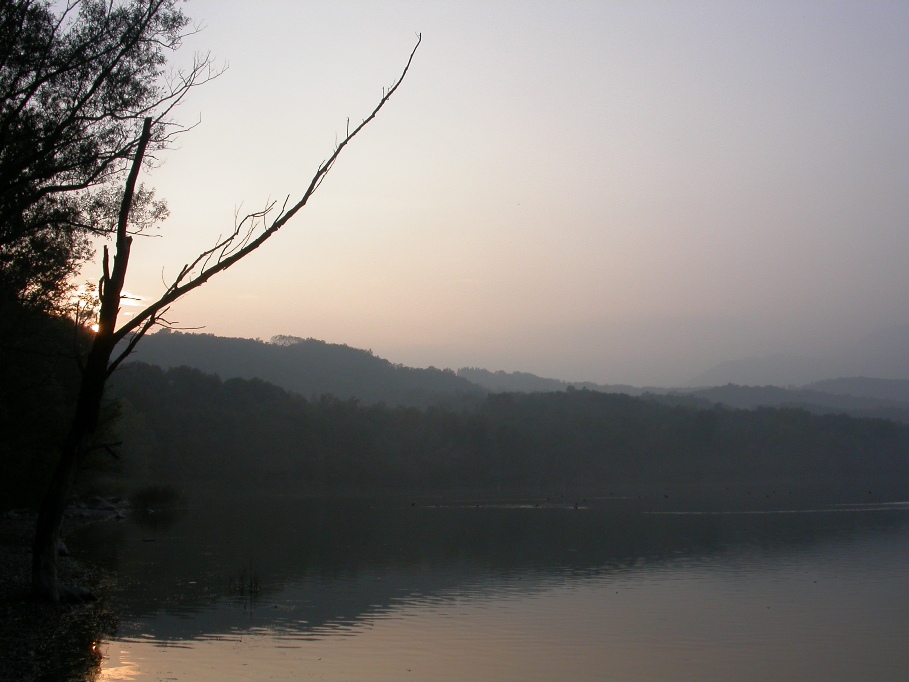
(610, 191)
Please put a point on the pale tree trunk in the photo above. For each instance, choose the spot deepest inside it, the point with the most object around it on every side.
(45, 582)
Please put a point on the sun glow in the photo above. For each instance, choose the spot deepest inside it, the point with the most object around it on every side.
(86, 304)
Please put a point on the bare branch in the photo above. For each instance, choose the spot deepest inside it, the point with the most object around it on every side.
(234, 247)
(131, 344)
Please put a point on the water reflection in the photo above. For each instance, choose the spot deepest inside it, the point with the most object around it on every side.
(361, 589)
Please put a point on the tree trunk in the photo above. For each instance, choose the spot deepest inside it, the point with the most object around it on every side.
(45, 582)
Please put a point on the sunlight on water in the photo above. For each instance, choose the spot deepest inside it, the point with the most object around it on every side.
(828, 608)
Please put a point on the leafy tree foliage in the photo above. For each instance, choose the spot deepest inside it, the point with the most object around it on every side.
(76, 79)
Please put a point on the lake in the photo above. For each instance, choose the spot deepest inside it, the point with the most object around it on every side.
(480, 589)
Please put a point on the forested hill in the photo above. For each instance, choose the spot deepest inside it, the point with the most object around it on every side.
(308, 367)
(192, 429)
(524, 382)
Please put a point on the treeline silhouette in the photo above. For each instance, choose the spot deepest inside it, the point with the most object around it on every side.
(195, 430)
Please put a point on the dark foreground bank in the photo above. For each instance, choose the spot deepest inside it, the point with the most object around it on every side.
(39, 641)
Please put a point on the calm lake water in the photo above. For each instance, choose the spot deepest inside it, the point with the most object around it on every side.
(285, 589)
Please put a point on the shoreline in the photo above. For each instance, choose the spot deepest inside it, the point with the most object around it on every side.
(38, 640)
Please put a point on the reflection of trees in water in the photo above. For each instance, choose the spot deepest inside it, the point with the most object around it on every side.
(336, 561)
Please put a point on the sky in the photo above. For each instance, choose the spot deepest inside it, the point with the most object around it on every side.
(620, 192)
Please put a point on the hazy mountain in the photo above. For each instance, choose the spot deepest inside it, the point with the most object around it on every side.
(885, 389)
(307, 366)
(312, 368)
(773, 370)
(811, 398)
(883, 354)
(524, 382)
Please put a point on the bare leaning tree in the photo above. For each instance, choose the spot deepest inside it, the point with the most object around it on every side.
(104, 357)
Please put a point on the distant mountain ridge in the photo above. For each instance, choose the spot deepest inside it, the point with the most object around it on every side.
(313, 368)
(307, 366)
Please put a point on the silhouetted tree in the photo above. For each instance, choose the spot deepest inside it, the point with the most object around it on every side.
(77, 78)
(249, 233)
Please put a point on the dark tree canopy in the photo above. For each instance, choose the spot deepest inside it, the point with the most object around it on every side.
(76, 80)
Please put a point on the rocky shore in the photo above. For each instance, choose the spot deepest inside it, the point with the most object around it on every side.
(47, 642)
